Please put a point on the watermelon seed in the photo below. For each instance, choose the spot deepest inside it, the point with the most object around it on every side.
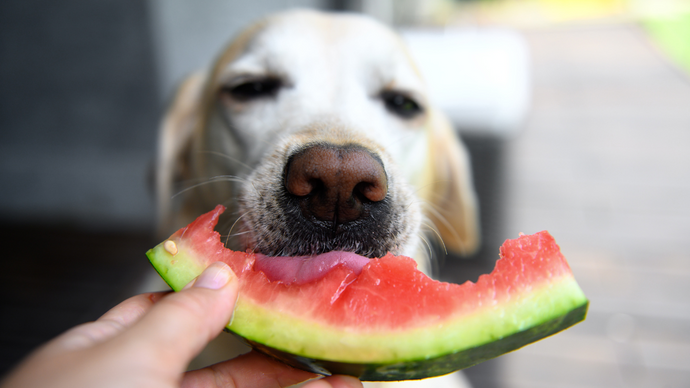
(170, 247)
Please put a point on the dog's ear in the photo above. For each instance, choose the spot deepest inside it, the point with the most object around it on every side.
(181, 120)
(452, 199)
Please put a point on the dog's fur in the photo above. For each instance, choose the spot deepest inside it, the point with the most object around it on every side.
(327, 79)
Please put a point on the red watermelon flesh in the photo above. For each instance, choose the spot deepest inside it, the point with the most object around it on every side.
(382, 319)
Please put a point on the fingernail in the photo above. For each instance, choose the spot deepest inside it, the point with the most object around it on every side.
(214, 277)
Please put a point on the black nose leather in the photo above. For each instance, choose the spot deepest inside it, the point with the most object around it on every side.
(336, 183)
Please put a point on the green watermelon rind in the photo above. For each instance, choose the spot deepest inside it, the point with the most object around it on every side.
(177, 270)
(431, 367)
(416, 353)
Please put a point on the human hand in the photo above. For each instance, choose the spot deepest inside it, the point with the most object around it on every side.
(148, 341)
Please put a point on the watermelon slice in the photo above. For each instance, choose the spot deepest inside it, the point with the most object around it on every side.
(382, 319)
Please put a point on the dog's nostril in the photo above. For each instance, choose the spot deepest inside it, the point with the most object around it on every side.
(334, 182)
(372, 191)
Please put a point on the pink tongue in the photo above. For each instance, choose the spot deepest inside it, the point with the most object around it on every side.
(304, 269)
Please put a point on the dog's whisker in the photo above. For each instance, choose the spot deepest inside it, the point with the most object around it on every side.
(431, 208)
(430, 225)
(228, 157)
(224, 223)
(422, 187)
(257, 190)
(416, 201)
(219, 178)
(428, 254)
(233, 226)
(428, 245)
(205, 179)
(434, 209)
(239, 233)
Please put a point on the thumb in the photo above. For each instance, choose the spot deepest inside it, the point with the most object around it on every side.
(179, 326)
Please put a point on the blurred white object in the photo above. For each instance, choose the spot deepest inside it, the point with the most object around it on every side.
(479, 77)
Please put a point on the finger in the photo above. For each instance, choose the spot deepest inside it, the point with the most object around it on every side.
(248, 370)
(179, 325)
(129, 311)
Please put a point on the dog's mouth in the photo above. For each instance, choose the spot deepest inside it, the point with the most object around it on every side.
(305, 269)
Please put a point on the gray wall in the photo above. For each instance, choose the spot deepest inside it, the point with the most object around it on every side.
(83, 85)
(78, 108)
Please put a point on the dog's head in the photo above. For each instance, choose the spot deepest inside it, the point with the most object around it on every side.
(315, 130)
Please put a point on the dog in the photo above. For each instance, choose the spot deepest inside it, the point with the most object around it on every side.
(316, 132)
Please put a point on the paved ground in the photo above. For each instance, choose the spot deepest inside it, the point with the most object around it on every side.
(604, 165)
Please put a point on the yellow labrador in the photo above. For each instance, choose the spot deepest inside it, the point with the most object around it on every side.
(315, 130)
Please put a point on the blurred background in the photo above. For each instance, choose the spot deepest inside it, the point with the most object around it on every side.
(576, 113)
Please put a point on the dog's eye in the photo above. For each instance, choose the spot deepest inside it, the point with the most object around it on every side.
(401, 105)
(253, 89)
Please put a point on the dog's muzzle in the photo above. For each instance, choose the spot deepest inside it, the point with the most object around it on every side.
(327, 197)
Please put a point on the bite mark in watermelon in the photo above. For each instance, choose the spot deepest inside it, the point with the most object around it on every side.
(385, 320)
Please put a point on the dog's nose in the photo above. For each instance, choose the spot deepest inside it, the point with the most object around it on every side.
(336, 183)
